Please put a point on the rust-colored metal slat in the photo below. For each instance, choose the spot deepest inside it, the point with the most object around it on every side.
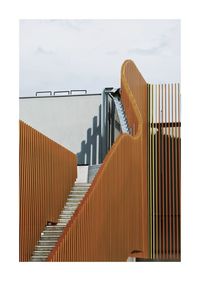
(41, 181)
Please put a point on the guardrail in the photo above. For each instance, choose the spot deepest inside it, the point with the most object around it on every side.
(43, 92)
(62, 92)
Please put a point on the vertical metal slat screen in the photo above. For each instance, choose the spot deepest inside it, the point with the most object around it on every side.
(46, 175)
(164, 171)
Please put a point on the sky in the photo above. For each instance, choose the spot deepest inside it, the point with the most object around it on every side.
(88, 54)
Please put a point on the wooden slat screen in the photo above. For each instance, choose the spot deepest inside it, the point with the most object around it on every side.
(111, 222)
(47, 173)
(164, 171)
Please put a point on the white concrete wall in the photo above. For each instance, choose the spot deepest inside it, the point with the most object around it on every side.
(66, 120)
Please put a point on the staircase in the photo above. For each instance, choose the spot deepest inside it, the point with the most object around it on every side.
(51, 234)
(49, 237)
(92, 171)
(121, 113)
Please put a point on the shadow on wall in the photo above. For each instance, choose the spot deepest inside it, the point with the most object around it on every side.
(90, 153)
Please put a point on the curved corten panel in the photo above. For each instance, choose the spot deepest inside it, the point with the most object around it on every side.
(111, 222)
(46, 175)
(134, 99)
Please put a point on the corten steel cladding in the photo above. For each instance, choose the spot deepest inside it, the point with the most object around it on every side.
(134, 99)
(47, 173)
(164, 171)
(110, 224)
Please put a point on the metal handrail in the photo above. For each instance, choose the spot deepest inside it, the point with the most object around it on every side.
(85, 91)
(61, 92)
(43, 92)
(68, 92)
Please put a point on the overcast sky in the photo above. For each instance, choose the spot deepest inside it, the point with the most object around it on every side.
(88, 54)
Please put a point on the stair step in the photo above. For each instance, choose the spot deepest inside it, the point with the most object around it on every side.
(47, 242)
(63, 224)
(123, 124)
(123, 117)
(85, 190)
(56, 227)
(38, 258)
(49, 238)
(41, 253)
(75, 196)
(68, 211)
(77, 192)
(43, 248)
(79, 188)
(82, 184)
(71, 204)
(70, 207)
(74, 199)
(53, 231)
(64, 220)
(65, 216)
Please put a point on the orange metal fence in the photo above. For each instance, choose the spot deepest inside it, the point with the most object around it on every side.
(111, 222)
(47, 173)
(107, 225)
